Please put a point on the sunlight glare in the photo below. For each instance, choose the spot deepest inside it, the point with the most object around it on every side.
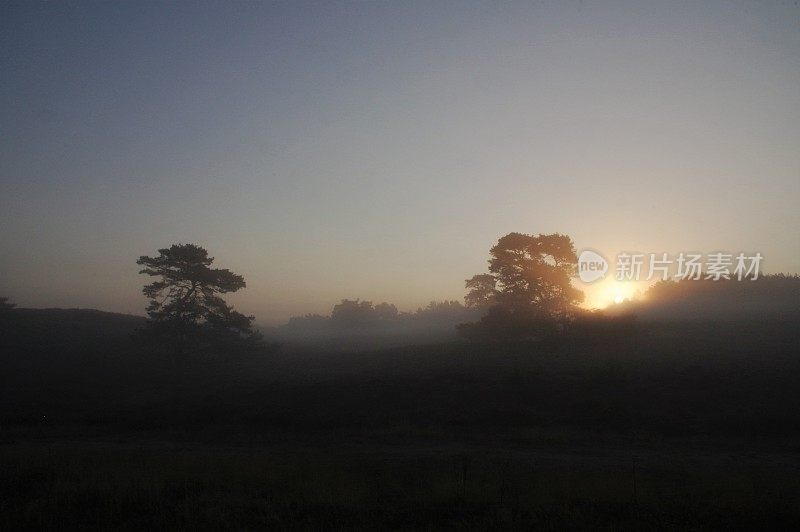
(609, 291)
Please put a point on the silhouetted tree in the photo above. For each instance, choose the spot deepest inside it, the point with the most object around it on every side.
(353, 313)
(385, 312)
(535, 272)
(445, 314)
(528, 285)
(5, 305)
(440, 308)
(185, 307)
(482, 290)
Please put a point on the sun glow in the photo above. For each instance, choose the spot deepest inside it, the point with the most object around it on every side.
(609, 291)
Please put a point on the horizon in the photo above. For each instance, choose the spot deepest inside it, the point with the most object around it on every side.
(378, 151)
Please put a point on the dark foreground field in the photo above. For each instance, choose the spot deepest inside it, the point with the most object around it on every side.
(542, 482)
(675, 427)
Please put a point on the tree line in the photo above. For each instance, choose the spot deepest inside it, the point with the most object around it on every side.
(358, 314)
(526, 292)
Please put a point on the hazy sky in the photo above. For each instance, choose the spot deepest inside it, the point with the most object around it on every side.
(378, 149)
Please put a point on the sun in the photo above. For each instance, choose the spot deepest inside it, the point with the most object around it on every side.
(609, 292)
(618, 292)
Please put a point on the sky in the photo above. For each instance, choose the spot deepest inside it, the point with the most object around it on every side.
(377, 150)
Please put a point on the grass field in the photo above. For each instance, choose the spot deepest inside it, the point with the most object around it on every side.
(152, 484)
(676, 427)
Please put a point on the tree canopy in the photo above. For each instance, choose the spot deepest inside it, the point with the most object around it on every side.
(529, 281)
(482, 290)
(185, 303)
(535, 272)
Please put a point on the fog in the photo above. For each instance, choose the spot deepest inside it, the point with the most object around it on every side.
(774, 297)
